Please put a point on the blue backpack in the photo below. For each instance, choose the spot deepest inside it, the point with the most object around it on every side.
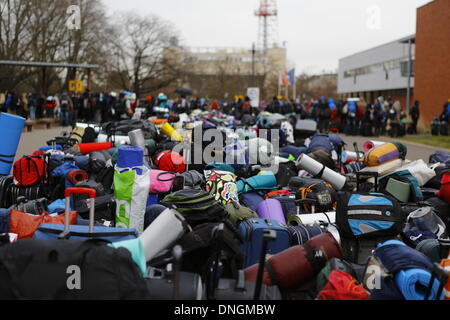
(365, 215)
(320, 140)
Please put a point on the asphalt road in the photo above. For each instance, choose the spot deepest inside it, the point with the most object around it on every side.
(31, 141)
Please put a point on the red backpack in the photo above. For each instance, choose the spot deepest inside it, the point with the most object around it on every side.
(30, 170)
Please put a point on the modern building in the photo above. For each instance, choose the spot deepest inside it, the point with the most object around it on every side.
(383, 70)
(433, 58)
(380, 71)
(220, 71)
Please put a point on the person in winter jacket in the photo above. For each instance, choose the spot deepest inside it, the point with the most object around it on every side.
(414, 112)
(324, 114)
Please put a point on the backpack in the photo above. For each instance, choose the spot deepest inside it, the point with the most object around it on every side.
(366, 219)
(64, 105)
(30, 170)
(365, 215)
(238, 213)
(105, 272)
(318, 190)
(197, 206)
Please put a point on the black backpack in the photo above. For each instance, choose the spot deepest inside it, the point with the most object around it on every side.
(68, 270)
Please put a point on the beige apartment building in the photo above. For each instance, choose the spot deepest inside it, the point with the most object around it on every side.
(226, 72)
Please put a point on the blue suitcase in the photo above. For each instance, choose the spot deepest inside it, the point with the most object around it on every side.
(53, 232)
(83, 232)
(251, 231)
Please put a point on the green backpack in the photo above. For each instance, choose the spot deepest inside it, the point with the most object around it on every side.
(238, 213)
(197, 206)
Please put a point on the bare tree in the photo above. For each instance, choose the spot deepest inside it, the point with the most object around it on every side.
(140, 64)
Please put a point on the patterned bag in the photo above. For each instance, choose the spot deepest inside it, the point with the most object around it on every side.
(222, 184)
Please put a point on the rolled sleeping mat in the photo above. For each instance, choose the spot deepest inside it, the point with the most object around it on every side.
(312, 218)
(86, 148)
(410, 281)
(265, 181)
(170, 131)
(351, 156)
(372, 144)
(317, 169)
(130, 157)
(382, 154)
(271, 209)
(137, 139)
(76, 176)
(11, 126)
(164, 231)
(299, 264)
(120, 140)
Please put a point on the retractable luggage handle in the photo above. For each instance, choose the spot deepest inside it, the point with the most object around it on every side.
(360, 175)
(177, 253)
(311, 202)
(68, 193)
(268, 235)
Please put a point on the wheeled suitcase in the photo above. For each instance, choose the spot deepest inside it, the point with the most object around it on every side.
(173, 284)
(300, 234)
(5, 182)
(251, 231)
(75, 232)
(239, 288)
(31, 193)
(271, 209)
(288, 204)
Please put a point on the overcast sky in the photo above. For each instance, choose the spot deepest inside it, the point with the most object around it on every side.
(317, 32)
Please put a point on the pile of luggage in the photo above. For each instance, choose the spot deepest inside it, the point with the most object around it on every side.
(137, 210)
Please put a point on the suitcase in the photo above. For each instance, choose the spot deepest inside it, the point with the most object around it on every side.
(288, 204)
(251, 231)
(30, 193)
(239, 288)
(5, 182)
(271, 209)
(75, 232)
(300, 234)
(173, 284)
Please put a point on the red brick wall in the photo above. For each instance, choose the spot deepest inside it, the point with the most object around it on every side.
(432, 74)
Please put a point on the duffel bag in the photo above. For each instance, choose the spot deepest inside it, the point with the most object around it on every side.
(79, 270)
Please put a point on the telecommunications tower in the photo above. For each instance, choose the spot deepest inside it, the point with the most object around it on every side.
(268, 25)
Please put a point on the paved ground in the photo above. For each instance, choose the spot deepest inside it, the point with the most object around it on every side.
(30, 141)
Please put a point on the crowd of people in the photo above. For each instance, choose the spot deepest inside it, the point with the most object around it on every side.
(352, 117)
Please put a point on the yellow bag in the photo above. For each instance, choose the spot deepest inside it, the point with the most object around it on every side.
(77, 134)
(381, 154)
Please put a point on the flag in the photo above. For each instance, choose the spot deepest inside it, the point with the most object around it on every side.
(291, 75)
(283, 80)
